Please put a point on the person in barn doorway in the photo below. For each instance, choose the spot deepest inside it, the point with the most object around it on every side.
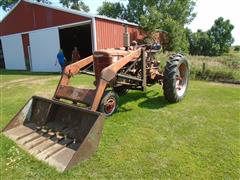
(134, 45)
(61, 59)
(75, 55)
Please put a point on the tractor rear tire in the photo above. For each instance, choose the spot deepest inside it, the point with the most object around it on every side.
(109, 103)
(176, 77)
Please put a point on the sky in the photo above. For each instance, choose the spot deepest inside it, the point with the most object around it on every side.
(207, 11)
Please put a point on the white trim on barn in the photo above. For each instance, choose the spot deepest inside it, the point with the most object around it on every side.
(73, 24)
(123, 21)
(94, 35)
(44, 46)
(13, 52)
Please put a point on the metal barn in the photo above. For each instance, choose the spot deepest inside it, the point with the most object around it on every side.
(32, 33)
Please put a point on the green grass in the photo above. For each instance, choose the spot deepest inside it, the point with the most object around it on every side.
(11, 75)
(220, 68)
(147, 138)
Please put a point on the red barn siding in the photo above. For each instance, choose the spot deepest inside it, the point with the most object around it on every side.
(25, 41)
(27, 17)
(1, 28)
(135, 33)
(162, 38)
(110, 34)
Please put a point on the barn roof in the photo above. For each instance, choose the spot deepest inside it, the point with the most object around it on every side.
(72, 11)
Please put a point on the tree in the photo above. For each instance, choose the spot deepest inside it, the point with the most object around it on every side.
(213, 42)
(167, 15)
(137, 8)
(75, 4)
(178, 10)
(152, 15)
(237, 48)
(9, 4)
(150, 22)
(200, 43)
(114, 10)
(221, 36)
(177, 36)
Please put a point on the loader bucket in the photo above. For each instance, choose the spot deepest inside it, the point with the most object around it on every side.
(55, 132)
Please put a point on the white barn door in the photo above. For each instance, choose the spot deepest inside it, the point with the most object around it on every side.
(44, 46)
(13, 52)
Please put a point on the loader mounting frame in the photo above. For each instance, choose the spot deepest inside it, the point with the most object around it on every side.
(109, 75)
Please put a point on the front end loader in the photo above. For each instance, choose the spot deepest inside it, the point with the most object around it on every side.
(61, 133)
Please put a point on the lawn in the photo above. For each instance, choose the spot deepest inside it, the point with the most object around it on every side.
(198, 138)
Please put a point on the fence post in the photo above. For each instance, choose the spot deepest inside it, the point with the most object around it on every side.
(203, 68)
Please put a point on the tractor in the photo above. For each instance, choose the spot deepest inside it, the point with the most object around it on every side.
(61, 132)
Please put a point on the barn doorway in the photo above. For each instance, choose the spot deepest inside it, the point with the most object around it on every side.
(2, 64)
(79, 36)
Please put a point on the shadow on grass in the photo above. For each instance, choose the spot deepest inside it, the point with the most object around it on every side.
(150, 100)
(154, 103)
(23, 72)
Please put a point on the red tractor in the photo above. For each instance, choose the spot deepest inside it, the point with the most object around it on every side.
(63, 134)
(117, 71)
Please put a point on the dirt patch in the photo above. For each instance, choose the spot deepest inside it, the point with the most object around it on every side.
(225, 84)
(41, 81)
(28, 81)
(16, 81)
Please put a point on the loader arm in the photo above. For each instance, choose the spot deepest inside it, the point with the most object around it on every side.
(74, 68)
(88, 96)
(109, 73)
(71, 70)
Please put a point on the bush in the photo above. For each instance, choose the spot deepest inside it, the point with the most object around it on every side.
(214, 42)
(219, 68)
(237, 48)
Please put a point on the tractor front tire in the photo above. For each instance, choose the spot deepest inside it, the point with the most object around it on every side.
(109, 103)
(176, 77)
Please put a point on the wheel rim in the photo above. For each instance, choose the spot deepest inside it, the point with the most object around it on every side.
(110, 105)
(181, 80)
